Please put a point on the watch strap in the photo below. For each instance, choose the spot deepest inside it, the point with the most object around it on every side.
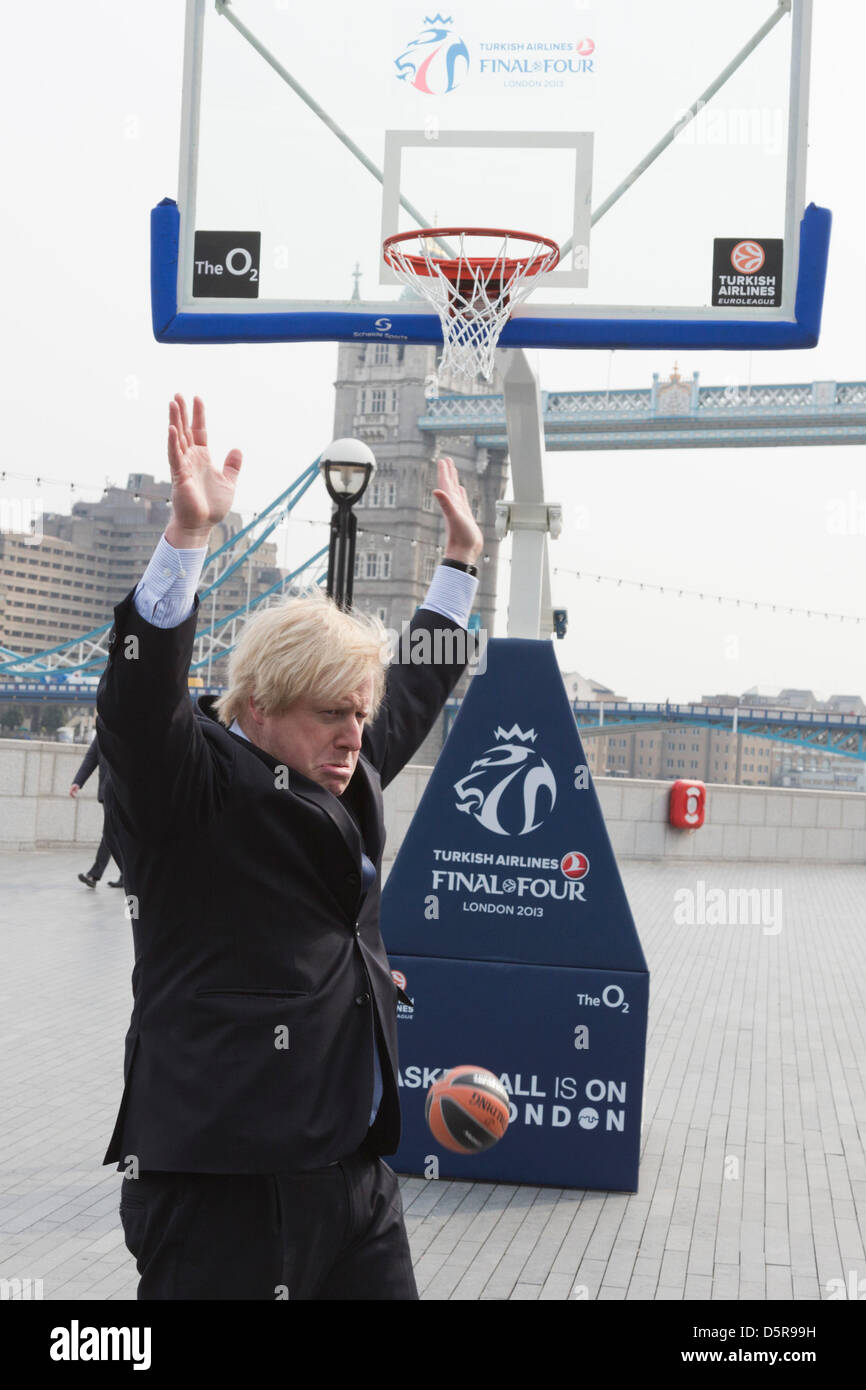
(459, 565)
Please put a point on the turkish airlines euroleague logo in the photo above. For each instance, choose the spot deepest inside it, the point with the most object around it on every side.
(574, 864)
(747, 272)
(405, 1006)
(748, 257)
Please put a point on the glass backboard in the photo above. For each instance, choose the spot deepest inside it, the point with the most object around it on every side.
(663, 147)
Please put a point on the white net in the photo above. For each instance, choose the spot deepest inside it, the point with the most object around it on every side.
(474, 295)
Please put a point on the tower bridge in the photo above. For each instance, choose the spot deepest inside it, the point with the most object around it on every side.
(673, 414)
(380, 398)
(844, 734)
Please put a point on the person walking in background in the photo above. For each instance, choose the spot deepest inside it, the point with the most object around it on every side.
(94, 759)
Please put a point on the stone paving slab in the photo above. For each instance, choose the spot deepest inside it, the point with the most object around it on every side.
(753, 1171)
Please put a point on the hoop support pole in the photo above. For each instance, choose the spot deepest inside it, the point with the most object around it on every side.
(528, 516)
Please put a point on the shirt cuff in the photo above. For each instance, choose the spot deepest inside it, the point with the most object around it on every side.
(165, 595)
(451, 593)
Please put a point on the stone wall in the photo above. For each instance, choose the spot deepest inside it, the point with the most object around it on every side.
(36, 810)
(743, 823)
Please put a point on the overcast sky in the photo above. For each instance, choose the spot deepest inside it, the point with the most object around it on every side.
(91, 97)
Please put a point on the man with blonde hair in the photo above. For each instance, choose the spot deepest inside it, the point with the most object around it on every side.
(261, 1060)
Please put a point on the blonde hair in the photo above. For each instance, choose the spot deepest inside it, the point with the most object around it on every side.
(303, 647)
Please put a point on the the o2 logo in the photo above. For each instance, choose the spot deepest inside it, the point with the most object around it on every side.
(226, 265)
(240, 262)
(612, 996)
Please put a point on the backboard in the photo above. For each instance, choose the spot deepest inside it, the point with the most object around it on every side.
(663, 147)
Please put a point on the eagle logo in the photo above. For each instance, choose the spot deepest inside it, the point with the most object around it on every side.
(436, 61)
(517, 802)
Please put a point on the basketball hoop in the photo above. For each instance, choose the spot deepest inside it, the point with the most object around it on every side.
(473, 295)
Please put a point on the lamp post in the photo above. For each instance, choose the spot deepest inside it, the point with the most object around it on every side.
(347, 466)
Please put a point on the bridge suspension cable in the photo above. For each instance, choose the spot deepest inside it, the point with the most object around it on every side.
(88, 652)
(681, 592)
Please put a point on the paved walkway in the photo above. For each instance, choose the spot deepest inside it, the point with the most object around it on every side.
(753, 1179)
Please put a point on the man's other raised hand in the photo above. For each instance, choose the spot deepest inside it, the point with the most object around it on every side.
(463, 538)
(201, 493)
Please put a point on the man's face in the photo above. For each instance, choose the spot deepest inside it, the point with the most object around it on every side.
(319, 739)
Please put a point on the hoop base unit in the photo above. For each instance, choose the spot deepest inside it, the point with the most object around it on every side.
(473, 295)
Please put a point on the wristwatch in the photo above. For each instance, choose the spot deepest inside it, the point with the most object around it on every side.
(459, 565)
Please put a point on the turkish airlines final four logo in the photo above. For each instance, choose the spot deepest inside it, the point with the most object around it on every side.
(437, 60)
(519, 801)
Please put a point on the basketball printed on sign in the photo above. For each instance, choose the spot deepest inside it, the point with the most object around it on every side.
(747, 257)
(574, 864)
(467, 1110)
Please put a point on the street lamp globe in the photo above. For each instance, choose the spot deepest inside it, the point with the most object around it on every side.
(347, 465)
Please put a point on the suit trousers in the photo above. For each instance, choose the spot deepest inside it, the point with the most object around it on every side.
(106, 850)
(103, 854)
(330, 1233)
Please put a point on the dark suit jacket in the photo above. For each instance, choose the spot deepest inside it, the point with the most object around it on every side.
(248, 921)
(91, 761)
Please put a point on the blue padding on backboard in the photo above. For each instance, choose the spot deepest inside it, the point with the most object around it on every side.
(815, 228)
(171, 327)
(164, 239)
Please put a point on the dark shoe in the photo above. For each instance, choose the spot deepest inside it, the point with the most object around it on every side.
(88, 879)
(115, 883)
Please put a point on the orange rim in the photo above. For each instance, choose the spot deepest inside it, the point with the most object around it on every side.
(455, 269)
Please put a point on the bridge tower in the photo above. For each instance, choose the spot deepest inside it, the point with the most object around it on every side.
(381, 393)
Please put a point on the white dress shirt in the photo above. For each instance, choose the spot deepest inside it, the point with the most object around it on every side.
(164, 596)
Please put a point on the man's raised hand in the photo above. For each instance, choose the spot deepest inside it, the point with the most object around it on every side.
(201, 493)
(463, 538)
